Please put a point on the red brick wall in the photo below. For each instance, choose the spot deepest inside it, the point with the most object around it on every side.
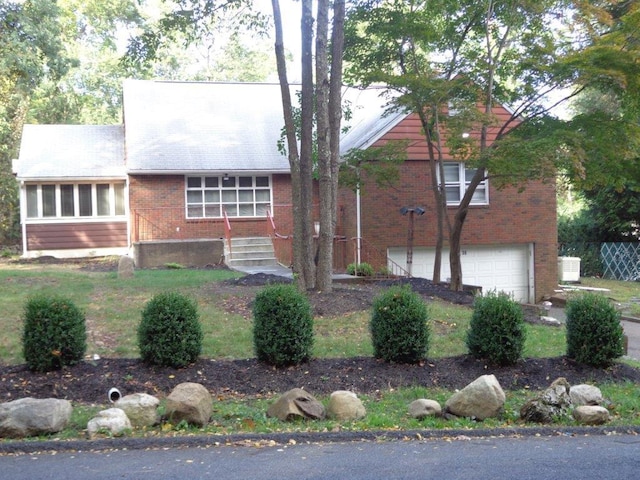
(157, 204)
(512, 217)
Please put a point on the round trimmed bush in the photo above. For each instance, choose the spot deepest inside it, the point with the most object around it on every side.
(54, 333)
(497, 330)
(399, 326)
(169, 334)
(283, 326)
(594, 334)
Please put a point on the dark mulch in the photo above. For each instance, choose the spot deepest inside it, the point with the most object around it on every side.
(89, 382)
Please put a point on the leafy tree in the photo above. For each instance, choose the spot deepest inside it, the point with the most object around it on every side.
(31, 52)
(474, 56)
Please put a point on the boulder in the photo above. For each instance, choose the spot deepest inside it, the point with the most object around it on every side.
(28, 417)
(141, 408)
(295, 404)
(482, 398)
(423, 408)
(345, 405)
(112, 421)
(584, 394)
(126, 267)
(554, 402)
(591, 415)
(189, 402)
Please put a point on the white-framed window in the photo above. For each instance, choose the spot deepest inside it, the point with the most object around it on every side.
(239, 196)
(456, 181)
(75, 200)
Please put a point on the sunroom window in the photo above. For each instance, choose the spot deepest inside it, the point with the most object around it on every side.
(238, 196)
(457, 178)
(72, 200)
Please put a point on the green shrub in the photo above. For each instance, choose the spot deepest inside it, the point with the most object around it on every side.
(399, 326)
(169, 333)
(283, 326)
(594, 333)
(497, 330)
(54, 333)
(361, 270)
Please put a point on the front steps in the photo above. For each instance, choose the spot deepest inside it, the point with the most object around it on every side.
(250, 252)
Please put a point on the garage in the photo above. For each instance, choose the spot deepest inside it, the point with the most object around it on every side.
(507, 268)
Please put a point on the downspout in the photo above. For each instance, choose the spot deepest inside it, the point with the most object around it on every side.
(23, 217)
(358, 226)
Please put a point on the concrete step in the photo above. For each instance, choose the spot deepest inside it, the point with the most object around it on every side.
(250, 252)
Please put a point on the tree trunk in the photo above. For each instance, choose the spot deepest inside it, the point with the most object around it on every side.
(305, 243)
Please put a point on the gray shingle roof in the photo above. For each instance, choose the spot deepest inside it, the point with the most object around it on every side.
(185, 127)
(71, 152)
(190, 127)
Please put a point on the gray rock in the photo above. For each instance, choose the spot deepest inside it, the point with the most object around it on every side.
(296, 403)
(189, 402)
(126, 267)
(27, 417)
(584, 394)
(141, 408)
(554, 402)
(345, 405)
(423, 408)
(112, 421)
(483, 398)
(591, 415)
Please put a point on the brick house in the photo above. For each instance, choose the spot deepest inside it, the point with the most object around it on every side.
(195, 164)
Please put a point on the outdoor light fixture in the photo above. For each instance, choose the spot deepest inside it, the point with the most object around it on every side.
(411, 211)
(225, 178)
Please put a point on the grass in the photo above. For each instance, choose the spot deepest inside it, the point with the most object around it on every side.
(626, 294)
(113, 309)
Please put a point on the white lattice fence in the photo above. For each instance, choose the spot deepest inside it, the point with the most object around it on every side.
(621, 261)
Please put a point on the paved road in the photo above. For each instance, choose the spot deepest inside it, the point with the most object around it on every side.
(523, 458)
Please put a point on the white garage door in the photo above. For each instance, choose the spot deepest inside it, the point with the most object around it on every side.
(507, 268)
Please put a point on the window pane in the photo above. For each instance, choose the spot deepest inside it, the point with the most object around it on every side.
(66, 200)
(262, 181)
(211, 196)
(210, 182)
(479, 196)
(212, 211)
(102, 196)
(229, 196)
(469, 173)
(193, 182)
(261, 209)
(231, 209)
(32, 201)
(85, 208)
(119, 191)
(194, 196)
(246, 210)
(245, 195)
(194, 211)
(451, 172)
(245, 181)
(228, 182)
(48, 200)
(453, 194)
(263, 195)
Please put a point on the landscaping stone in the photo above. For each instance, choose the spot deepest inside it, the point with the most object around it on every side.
(345, 405)
(126, 267)
(554, 402)
(294, 404)
(28, 417)
(423, 408)
(591, 415)
(584, 394)
(189, 402)
(112, 421)
(483, 398)
(141, 408)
